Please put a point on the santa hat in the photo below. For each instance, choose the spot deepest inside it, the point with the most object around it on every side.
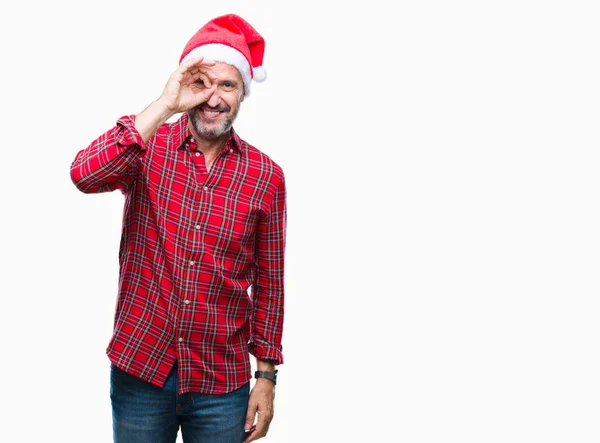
(230, 39)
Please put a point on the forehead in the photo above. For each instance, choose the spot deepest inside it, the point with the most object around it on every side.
(224, 71)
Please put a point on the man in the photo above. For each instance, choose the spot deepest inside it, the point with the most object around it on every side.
(204, 220)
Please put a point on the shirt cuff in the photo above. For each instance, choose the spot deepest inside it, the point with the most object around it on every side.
(127, 134)
(264, 351)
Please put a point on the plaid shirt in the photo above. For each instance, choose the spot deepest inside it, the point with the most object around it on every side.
(193, 242)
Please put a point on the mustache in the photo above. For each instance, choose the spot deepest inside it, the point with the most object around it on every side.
(224, 107)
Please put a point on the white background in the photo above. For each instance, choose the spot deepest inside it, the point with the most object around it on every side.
(443, 249)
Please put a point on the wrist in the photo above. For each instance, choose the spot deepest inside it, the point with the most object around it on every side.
(265, 365)
(162, 110)
(150, 119)
(265, 381)
(266, 376)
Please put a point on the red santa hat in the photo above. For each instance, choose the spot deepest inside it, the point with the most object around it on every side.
(230, 39)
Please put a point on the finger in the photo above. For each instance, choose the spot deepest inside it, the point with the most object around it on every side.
(210, 73)
(260, 429)
(207, 77)
(252, 435)
(203, 67)
(205, 62)
(189, 66)
(208, 92)
(255, 434)
(199, 61)
(248, 435)
(250, 415)
(205, 71)
(202, 94)
(195, 71)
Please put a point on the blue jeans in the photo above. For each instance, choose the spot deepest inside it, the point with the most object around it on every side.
(144, 413)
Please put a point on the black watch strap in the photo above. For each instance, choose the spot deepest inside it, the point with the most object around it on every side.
(270, 375)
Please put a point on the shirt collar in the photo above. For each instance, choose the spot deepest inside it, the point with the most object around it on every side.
(179, 134)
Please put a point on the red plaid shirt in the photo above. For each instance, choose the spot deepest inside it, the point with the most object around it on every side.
(193, 242)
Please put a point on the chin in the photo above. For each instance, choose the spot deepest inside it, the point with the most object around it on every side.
(211, 132)
(211, 129)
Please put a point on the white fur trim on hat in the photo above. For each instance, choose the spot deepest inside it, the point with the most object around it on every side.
(226, 54)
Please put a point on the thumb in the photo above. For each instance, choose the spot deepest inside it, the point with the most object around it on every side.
(202, 95)
(250, 414)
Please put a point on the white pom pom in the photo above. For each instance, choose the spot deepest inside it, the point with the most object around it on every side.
(260, 74)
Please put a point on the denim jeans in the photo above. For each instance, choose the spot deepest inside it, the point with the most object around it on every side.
(145, 413)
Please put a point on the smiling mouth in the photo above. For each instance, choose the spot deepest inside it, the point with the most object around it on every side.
(211, 113)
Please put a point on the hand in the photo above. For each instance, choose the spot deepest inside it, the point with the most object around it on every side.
(190, 85)
(260, 404)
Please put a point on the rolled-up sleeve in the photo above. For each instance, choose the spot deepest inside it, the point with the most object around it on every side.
(110, 161)
(268, 287)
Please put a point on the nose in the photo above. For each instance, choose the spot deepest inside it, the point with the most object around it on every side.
(214, 100)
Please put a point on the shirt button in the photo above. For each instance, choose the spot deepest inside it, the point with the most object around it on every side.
(197, 154)
(206, 188)
(191, 139)
(192, 262)
(180, 339)
(187, 302)
(197, 226)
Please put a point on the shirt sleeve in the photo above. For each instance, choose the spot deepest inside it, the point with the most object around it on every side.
(267, 290)
(110, 162)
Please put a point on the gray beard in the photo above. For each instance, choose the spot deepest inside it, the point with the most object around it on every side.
(215, 132)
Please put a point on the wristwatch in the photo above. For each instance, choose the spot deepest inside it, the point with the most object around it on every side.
(271, 375)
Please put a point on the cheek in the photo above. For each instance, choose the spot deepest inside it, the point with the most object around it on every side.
(235, 97)
(234, 104)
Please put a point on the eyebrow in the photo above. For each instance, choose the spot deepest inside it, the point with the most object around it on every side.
(227, 80)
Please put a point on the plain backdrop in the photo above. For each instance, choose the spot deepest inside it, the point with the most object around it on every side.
(441, 160)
